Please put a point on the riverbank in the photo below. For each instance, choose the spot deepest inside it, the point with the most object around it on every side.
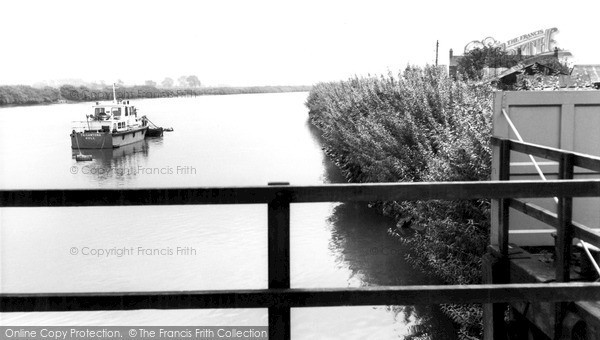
(419, 126)
(27, 95)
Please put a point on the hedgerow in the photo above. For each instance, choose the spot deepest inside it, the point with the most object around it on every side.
(417, 126)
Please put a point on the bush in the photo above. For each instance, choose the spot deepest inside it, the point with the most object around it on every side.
(419, 126)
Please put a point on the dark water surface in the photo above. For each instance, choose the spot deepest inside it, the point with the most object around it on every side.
(233, 140)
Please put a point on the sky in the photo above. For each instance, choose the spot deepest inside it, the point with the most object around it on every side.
(263, 42)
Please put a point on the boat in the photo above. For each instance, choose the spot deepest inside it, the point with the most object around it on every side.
(111, 125)
(110, 157)
(155, 132)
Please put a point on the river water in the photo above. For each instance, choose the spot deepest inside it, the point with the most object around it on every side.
(232, 140)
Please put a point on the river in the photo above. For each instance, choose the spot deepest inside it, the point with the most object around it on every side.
(234, 140)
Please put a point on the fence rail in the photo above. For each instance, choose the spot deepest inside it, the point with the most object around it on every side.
(296, 298)
(278, 297)
(301, 194)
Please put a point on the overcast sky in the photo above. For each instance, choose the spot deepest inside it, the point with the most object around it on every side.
(262, 42)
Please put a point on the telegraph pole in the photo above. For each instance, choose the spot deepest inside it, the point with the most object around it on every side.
(437, 45)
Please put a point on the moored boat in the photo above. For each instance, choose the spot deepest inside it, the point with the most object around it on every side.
(110, 125)
(155, 132)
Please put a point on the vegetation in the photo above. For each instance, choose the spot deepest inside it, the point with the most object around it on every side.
(24, 95)
(419, 126)
(473, 62)
(84, 94)
(27, 95)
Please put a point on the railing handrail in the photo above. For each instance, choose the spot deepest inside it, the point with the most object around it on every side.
(279, 298)
(582, 160)
(301, 297)
(579, 230)
(300, 193)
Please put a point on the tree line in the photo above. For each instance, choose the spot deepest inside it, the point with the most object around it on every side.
(28, 95)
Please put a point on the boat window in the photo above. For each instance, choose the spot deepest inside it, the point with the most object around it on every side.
(99, 110)
(116, 111)
(126, 112)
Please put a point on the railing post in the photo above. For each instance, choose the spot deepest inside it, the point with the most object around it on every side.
(279, 260)
(564, 235)
(503, 208)
(564, 238)
(495, 262)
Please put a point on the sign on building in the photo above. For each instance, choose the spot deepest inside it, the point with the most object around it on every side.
(537, 42)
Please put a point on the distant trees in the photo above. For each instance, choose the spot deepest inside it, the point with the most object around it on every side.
(21, 94)
(182, 81)
(168, 82)
(150, 83)
(193, 81)
(187, 81)
(27, 95)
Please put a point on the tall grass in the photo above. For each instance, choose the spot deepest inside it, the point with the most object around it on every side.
(417, 126)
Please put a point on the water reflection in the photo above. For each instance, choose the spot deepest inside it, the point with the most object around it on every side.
(360, 240)
(113, 164)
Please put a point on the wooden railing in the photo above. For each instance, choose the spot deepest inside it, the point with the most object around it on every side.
(279, 297)
(562, 220)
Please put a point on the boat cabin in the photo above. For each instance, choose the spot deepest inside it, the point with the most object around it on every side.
(114, 117)
(114, 110)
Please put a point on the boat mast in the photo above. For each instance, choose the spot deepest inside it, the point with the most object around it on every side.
(114, 94)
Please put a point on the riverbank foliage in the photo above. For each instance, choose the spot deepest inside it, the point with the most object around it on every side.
(81, 93)
(417, 126)
(27, 95)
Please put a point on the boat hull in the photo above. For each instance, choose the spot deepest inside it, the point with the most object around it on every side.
(154, 132)
(106, 140)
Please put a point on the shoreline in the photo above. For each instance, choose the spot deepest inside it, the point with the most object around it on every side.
(22, 95)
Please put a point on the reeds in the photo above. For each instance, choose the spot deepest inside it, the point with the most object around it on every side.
(417, 126)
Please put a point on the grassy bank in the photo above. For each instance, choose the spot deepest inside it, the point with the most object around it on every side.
(27, 95)
(418, 126)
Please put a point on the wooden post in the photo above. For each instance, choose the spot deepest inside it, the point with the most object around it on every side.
(503, 212)
(494, 271)
(564, 234)
(279, 261)
(564, 239)
(495, 262)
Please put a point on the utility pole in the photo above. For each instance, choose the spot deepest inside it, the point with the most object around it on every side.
(437, 45)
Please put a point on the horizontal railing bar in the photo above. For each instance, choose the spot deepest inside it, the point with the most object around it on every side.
(535, 211)
(301, 194)
(580, 231)
(579, 159)
(586, 234)
(315, 297)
